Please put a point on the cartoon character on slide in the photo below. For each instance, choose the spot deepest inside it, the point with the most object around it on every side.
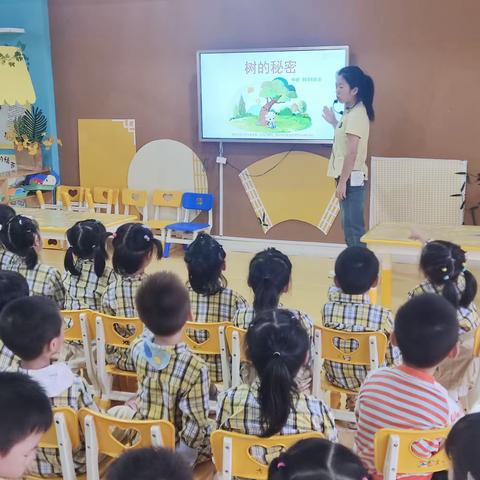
(270, 119)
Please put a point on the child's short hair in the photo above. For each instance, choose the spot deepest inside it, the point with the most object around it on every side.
(317, 459)
(163, 303)
(462, 447)
(28, 324)
(356, 270)
(24, 409)
(426, 330)
(12, 286)
(149, 464)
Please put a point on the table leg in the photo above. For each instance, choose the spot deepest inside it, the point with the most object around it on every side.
(386, 280)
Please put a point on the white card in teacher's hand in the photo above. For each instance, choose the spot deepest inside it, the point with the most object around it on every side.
(357, 178)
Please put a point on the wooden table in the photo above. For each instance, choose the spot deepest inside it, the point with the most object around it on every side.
(387, 239)
(55, 223)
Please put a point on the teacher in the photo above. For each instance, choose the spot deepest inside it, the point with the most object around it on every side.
(347, 162)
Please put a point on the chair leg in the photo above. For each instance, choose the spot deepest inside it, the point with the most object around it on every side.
(166, 250)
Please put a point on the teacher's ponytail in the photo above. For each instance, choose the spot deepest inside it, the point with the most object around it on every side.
(356, 78)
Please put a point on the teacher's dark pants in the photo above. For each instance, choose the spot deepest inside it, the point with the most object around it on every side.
(352, 213)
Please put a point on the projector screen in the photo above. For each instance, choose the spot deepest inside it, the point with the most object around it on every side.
(267, 95)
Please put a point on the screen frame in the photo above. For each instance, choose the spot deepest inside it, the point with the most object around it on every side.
(201, 138)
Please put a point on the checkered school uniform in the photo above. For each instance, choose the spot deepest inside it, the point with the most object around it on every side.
(5, 258)
(219, 307)
(78, 395)
(467, 317)
(178, 392)
(8, 359)
(239, 411)
(86, 289)
(42, 279)
(355, 313)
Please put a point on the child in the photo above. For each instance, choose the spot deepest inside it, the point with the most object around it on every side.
(443, 264)
(149, 464)
(86, 275)
(32, 328)
(278, 346)
(12, 286)
(6, 214)
(22, 237)
(462, 448)
(210, 299)
(172, 382)
(349, 309)
(407, 396)
(25, 415)
(317, 459)
(133, 249)
(269, 276)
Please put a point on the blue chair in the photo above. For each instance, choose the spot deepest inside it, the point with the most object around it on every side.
(185, 232)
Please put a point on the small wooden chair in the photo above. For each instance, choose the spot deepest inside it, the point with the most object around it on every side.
(372, 347)
(235, 339)
(232, 456)
(64, 436)
(163, 201)
(395, 452)
(213, 345)
(107, 335)
(137, 199)
(99, 430)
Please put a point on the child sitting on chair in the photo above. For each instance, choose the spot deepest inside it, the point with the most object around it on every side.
(349, 309)
(25, 415)
(444, 266)
(173, 383)
(32, 328)
(407, 396)
(210, 299)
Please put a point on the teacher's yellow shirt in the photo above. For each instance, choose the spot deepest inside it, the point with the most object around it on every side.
(354, 121)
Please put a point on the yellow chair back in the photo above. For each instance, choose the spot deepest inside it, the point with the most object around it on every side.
(408, 461)
(360, 356)
(49, 438)
(211, 346)
(72, 328)
(105, 195)
(74, 193)
(40, 198)
(135, 198)
(243, 464)
(163, 198)
(66, 200)
(105, 427)
(229, 331)
(113, 325)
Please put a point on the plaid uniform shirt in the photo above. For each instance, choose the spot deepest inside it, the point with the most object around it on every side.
(42, 279)
(78, 395)
(7, 358)
(5, 258)
(86, 290)
(219, 307)
(355, 313)
(119, 300)
(467, 317)
(177, 393)
(238, 410)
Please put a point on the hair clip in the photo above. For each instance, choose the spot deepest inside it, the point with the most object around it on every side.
(1, 226)
(114, 234)
(93, 246)
(444, 269)
(146, 237)
(276, 354)
(446, 277)
(281, 465)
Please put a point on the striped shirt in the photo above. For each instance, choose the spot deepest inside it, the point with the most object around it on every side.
(42, 279)
(467, 317)
(219, 307)
(354, 313)
(85, 290)
(405, 398)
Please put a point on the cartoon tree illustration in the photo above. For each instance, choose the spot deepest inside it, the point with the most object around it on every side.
(276, 91)
(242, 111)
